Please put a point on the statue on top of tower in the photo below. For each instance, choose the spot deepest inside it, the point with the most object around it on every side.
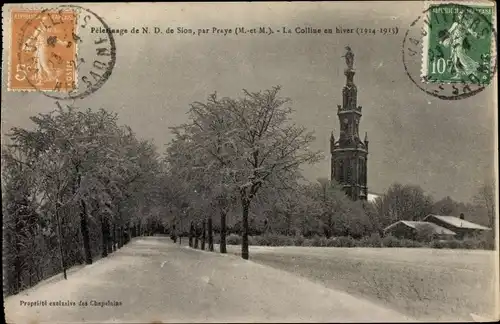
(349, 58)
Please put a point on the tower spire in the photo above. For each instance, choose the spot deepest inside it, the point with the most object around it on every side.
(349, 155)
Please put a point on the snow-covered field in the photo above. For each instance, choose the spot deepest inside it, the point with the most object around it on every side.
(427, 284)
(153, 280)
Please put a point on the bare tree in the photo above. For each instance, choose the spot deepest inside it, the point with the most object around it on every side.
(485, 198)
(403, 202)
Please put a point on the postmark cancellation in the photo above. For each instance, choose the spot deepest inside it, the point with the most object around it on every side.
(459, 43)
(43, 52)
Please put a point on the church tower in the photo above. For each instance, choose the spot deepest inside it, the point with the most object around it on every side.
(349, 154)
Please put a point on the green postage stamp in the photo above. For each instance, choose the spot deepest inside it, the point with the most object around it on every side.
(459, 43)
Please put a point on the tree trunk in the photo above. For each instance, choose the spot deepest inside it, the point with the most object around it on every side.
(17, 258)
(174, 234)
(223, 232)
(113, 238)
(30, 275)
(85, 232)
(203, 234)
(244, 232)
(191, 233)
(196, 240)
(60, 236)
(180, 233)
(104, 238)
(39, 272)
(330, 225)
(109, 231)
(210, 235)
(120, 236)
(288, 224)
(118, 232)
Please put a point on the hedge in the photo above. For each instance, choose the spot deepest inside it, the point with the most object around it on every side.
(346, 241)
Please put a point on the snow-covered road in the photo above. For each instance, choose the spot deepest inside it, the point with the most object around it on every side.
(152, 280)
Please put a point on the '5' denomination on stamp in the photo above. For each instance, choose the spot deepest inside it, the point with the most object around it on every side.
(43, 50)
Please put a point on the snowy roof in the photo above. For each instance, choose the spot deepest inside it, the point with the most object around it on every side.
(436, 229)
(372, 196)
(457, 222)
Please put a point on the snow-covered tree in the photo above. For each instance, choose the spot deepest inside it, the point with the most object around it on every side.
(84, 178)
(267, 145)
(231, 148)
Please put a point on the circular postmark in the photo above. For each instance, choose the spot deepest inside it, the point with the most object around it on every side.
(66, 53)
(449, 50)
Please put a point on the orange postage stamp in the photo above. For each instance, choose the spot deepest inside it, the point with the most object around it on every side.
(43, 50)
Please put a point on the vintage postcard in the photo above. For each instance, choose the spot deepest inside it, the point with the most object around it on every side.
(250, 162)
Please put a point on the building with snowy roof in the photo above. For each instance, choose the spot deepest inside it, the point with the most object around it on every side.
(412, 230)
(459, 225)
(440, 227)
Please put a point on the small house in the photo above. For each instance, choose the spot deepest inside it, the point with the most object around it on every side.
(414, 230)
(458, 225)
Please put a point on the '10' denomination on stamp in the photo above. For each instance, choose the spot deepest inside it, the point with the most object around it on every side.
(457, 45)
(43, 51)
